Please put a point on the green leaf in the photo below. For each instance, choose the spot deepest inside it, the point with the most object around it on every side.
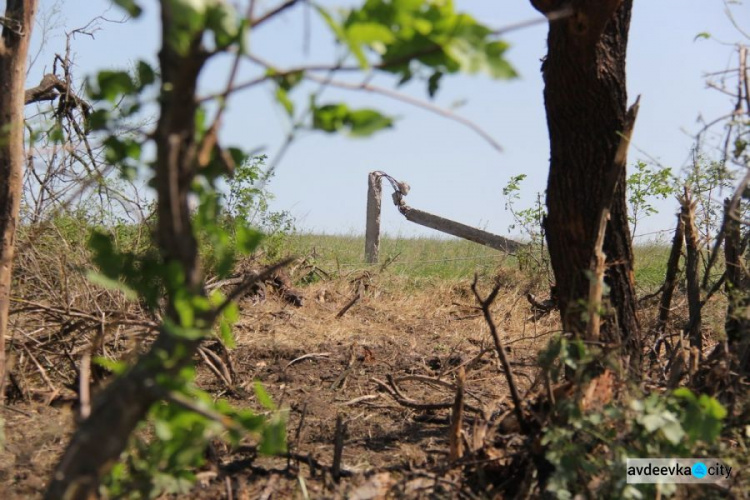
(703, 415)
(188, 21)
(105, 257)
(273, 438)
(227, 338)
(247, 239)
(263, 397)
(287, 81)
(184, 308)
(112, 284)
(221, 18)
(283, 99)
(365, 122)
(434, 82)
(711, 407)
(163, 430)
(249, 420)
(330, 117)
(370, 33)
(184, 332)
(146, 74)
(686, 394)
(115, 366)
(232, 313)
(113, 84)
(344, 37)
(132, 8)
(359, 123)
(673, 432)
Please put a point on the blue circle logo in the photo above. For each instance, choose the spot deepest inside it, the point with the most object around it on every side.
(699, 470)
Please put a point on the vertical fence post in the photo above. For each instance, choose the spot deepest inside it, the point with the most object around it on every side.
(372, 233)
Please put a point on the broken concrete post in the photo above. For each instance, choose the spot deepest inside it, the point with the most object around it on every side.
(372, 234)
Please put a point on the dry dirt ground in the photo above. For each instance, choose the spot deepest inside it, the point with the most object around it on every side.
(318, 367)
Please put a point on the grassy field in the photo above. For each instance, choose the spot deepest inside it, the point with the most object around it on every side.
(445, 258)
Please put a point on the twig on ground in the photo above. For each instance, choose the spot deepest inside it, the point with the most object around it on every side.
(341, 379)
(312, 355)
(338, 448)
(392, 390)
(213, 362)
(361, 399)
(457, 419)
(349, 304)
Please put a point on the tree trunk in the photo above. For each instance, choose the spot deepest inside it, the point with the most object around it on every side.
(586, 103)
(737, 323)
(100, 439)
(14, 48)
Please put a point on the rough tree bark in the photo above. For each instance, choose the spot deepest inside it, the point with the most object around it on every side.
(100, 439)
(14, 48)
(737, 325)
(586, 103)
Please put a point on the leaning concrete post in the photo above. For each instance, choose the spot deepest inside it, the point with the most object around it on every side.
(372, 233)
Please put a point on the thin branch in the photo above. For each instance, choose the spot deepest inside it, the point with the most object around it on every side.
(249, 282)
(730, 212)
(210, 140)
(548, 17)
(273, 13)
(367, 87)
(485, 305)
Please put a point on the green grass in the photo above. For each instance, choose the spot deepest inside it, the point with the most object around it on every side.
(441, 258)
(411, 257)
(650, 266)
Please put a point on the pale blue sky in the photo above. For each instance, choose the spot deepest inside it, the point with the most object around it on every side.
(453, 172)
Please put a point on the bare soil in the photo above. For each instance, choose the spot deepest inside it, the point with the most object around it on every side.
(318, 367)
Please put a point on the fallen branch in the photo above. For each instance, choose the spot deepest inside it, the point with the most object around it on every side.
(312, 355)
(361, 399)
(338, 448)
(457, 419)
(349, 305)
(393, 390)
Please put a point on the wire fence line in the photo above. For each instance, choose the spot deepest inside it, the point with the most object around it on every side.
(477, 258)
(431, 261)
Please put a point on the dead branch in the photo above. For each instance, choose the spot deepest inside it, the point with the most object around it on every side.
(350, 304)
(596, 284)
(730, 213)
(693, 329)
(214, 362)
(248, 283)
(652, 295)
(312, 355)
(392, 390)
(338, 448)
(485, 305)
(596, 287)
(360, 399)
(457, 419)
(670, 281)
(273, 12)
(545, 306)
